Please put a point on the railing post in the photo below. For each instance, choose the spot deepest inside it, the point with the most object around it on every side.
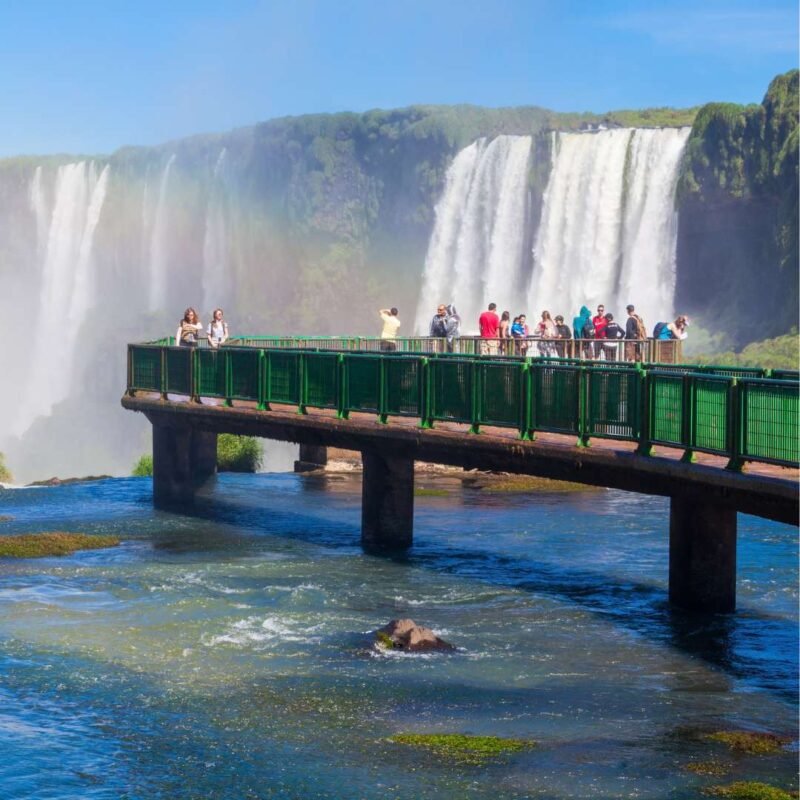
(342, 400)
(583, 407)
(383, 390)
(688, 421)
(226, 354)
(736, 397)
(645, 447)
(302, 384)
(163, 380)
(425, 382)
(263, 380)
(475, 398)
(524, 399)
(194, 393)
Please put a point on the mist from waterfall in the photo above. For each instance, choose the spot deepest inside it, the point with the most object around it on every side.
(157, 278)
(67, 286)
(477, 252)
(608, 230)
(217, 281)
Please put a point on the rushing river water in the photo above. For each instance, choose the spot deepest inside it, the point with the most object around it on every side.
(227, 653)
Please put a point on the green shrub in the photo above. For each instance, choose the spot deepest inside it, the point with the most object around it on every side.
(55, 543)
(143, 468)
(238, 453)
(5, 474)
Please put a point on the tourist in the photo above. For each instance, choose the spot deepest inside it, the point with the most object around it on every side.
(438, 327)
(599, 321)
(505, 329)
(489, 325)
(613, 332)
(520, 332)
(188, 329)
(546, 330)
(673, 330)
(452, 327)
(389, 332)
(635, 334)
(217, 331)
(564, 334)
(583, 328)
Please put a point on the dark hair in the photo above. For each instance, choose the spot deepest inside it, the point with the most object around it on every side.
(629, 309)
(609, 316)
(559, 317)
(492, 306)
(393, 311)
(505, 315)
(186, 313)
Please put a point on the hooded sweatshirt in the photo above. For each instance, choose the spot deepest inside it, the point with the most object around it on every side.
(580, 321)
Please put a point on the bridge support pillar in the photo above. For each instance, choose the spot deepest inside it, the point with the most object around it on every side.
(183, 460)
(702, 555)
(387, 501)
(311, 457)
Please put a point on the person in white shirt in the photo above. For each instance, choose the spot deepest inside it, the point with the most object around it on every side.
(217, 329)
(390, 325)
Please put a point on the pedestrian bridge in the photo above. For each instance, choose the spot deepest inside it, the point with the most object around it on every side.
(716, 440)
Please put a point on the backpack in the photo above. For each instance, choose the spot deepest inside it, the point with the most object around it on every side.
(587, 331)
(658, 328)
(641, 331)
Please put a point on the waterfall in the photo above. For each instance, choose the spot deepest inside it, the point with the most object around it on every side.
(217, 280)
(67, 289)
(477, 250)
(38, 205)
(159, 245)
(608, 227)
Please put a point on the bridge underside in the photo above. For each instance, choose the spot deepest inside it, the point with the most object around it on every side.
(704, 499)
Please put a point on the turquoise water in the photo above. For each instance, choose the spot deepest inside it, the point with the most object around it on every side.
(227, 653)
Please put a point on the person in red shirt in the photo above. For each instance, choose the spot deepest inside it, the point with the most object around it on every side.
(600, 324)
(489, 324)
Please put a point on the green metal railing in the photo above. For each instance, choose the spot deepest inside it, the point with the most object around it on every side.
(742, 416)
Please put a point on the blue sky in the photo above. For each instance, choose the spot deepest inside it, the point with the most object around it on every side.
(90, 76)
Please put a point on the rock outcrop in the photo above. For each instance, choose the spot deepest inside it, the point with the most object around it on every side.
(406, 635)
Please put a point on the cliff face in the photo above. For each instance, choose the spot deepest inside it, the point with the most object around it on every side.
(738, 216)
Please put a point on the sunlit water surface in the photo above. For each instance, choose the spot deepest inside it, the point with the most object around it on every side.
(227, 653)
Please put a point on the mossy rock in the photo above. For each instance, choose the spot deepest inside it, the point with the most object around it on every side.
(462, 748)
(749, 742)
(423, 492)
(521, 484)
(5, 518)
(384, 640)
(749, 790)
(55, 543)
(713, 768)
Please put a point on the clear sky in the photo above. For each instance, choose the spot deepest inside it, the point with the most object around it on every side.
(88, 76)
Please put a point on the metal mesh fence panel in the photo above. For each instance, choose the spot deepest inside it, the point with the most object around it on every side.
(556, 399)
(501, 394)
(770, 421)
(178, 364)
(244, 373)
(210, 373)
(666, 408)
(283, 377)
(614, 403)
(451, 389)
(711, 410)
(321, 380)
(403, 386)
(146, 368)
(363, 376)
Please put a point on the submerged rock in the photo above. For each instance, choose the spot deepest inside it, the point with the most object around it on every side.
(69, 481)
(406, 635)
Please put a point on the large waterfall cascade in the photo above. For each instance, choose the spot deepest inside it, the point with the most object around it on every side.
(477, 250)
(217, 281)
(159, 235)
(607, 231)
(67, 283)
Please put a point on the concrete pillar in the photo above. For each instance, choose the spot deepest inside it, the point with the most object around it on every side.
(183, 460)
(387, 501)
(311, 457)
(702, 556)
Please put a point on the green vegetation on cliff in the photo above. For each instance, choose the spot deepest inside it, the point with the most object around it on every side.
(782, 352)
(5, 473)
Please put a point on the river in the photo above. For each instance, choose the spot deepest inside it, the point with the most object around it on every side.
(227, 653)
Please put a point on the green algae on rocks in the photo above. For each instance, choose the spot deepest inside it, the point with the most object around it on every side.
(749, 790)
(749, 742)
(462, 748)
(55, 543)
(715, 768)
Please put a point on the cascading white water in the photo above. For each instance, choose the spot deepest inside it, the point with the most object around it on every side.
(217, 281)
(608, 231)
(477, 250)
(38, 205)
(66, 290)
(157, 276)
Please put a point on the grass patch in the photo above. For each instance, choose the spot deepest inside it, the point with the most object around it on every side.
(749, 790)
(714, 768)
(463, 749)
(56, 543)
(756, 744)
(431, 493)
(515, 484)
